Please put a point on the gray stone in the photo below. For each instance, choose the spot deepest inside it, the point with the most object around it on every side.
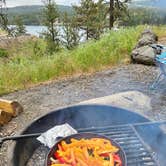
(130, 100)
(145, 40)
(147, 37)
(144, 55)
(148, 32)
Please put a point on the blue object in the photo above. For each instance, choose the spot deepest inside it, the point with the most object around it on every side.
(161, 57)
(161, 62)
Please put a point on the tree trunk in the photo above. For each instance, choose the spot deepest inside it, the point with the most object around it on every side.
(87, 33)
(111, 9)
(52, 31)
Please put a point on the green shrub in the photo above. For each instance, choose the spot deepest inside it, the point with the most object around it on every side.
(3, 53)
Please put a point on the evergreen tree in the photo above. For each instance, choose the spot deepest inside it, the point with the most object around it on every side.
(4, 19)
(70, 36)
(50, 20)
(20, 28)
(117, 10)
(3, 16)
(90, 17)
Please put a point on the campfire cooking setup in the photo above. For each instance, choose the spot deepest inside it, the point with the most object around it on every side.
(141, 142)
(95, 134)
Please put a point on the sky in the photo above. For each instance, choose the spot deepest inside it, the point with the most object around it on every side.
(12, 3)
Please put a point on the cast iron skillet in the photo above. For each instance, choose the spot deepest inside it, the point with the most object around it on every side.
(86, 136)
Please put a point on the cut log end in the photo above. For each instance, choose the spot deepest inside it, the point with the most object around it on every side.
(11, 107)
(5, 117)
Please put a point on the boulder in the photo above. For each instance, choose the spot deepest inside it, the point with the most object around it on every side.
(145, 40)
(144, 55)
(130, 100)
(149, 32)
(147, 37)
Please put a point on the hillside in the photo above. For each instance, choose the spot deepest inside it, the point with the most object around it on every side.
(31, 15)
(35, 8)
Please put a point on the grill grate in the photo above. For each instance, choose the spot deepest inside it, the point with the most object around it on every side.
(127, 137)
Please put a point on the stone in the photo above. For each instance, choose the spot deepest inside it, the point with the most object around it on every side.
(147, 37)
(145, 40)
(130, 100)
(144, 55)
(148, 32)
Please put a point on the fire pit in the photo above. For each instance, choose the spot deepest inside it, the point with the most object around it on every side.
(143, 141)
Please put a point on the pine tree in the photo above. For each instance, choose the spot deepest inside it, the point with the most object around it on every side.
(20, 28)
(70, 36)
(3, 16)
(50, 20)
(117, 10)
(90, 17)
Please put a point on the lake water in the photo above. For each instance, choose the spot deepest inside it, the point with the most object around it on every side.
(35, 29)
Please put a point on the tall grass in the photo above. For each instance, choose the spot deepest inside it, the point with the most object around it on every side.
(2, 32)
(159, 30)
(27, 66)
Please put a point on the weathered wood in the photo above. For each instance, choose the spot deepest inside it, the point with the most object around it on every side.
(5, 117)
(11, 107)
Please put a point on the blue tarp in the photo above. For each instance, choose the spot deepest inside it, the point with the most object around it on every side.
(161, 57)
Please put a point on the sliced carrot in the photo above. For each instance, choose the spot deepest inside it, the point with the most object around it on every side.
(111, 160)
(87, 152)
(81, 162)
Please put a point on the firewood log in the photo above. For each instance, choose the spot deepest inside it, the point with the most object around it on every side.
(11, 107)
(5, 117)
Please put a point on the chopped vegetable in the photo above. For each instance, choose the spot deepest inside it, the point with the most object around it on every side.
(86, 152)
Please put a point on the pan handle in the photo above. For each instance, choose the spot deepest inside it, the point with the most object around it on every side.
(18, 137)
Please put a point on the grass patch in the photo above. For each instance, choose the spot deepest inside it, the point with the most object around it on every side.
(3, 53)
(2, 32)
(159, 30)
(29, 64)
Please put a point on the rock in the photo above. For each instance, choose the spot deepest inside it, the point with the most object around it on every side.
(144, 55)
(145, 40)
(147, 37)
(130, 100)
(148, 32)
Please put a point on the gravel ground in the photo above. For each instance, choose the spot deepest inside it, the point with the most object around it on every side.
(44, 98)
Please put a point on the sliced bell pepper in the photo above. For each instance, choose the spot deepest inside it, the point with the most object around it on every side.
(117, 159)
(59, 158)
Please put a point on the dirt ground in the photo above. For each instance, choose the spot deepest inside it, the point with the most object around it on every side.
(44, 98)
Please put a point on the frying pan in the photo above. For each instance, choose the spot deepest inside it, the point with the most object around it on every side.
(85, 136)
